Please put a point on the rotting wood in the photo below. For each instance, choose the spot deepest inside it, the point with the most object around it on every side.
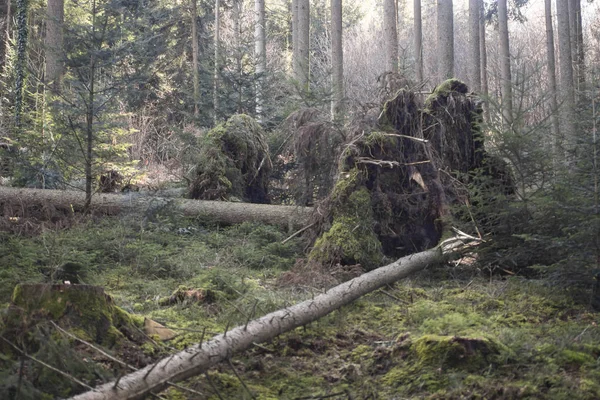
(224, 212)
(200, 358)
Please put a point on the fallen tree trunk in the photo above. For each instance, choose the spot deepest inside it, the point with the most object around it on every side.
(194, 361)
(225, 212)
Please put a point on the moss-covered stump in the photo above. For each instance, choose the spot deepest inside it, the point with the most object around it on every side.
(82, 311)
(233, 162)
(471, 353)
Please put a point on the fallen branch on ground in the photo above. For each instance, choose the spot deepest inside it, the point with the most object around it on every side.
(198, 359)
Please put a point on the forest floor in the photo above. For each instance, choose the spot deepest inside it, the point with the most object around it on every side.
(447, 333)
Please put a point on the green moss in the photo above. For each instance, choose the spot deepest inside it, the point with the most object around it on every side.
(453, 351)
(575, 358)
(444, 90)
(351, 238)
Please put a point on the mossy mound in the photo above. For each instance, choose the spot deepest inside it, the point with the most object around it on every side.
(35, 323)
(85, 308)
(233, 162)
(472, 353)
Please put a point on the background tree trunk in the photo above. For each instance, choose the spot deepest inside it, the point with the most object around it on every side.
(195, 56)
(221, 211)
(577, 53)
(390, 33)
(418, 26)
(260, 55)
(55, 16)
(5, 20)
(302, 58)
(483, 60)
(567, 90)
(337, 61)
(239, 53)
(195, 360)
(475, 59)
(445, 39)
(552, 79)
(216, 61)
(294, 37)
(506, 77)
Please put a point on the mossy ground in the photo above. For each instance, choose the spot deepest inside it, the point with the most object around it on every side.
(433, 336)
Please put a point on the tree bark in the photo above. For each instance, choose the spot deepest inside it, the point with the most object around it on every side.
(195, 360)
(225, 212)
(567, 90)
(238, 51)
(445, 39)
(552, 78)
(390, 34)
(577, 53)
(217, 63)
(337, 61)
(301, 56)
(294, 36)
(475, 70)
(55, 16)
(506, 77)
(418, 26)
(5, 19)
(260, 55)
(483, 59)
(195, 56)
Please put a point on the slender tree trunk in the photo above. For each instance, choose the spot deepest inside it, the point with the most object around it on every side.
(475, 72)
(197, 359)
(506, 77)
(89, 156)
(237, 32)
(5, 20)
(20, 67)
(445, 39)
(302, 57)
(552, 79)
(195, 56)
(217, 61)
(337, 61)
(55, 16)
(567, 90)
(390, 33)
(260, 55)
(294, 37)
(483, 60)
(577, 52)
(418, 41)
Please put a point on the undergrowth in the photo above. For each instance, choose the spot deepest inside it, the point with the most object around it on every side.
(430, 338)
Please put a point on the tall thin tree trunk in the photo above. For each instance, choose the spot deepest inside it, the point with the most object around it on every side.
(507, 104)
(294, 37)
(475, 71)
(195, 57)
(55, 16)
(390, 33)
(552, 78)
(302, 56)
(483, 60)
(337, 61)
(89, 156)
(217, 62)
(260, 55)
(445, 39)
(418, 26)
(577, 51)
(5, 21)
(22, 39)
(237, 34)
(567, 90)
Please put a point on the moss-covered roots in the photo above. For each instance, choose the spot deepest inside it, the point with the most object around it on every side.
(233, 162)
(390, 198)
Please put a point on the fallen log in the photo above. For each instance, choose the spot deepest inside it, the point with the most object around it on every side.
(220, 211)
(201, 357)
